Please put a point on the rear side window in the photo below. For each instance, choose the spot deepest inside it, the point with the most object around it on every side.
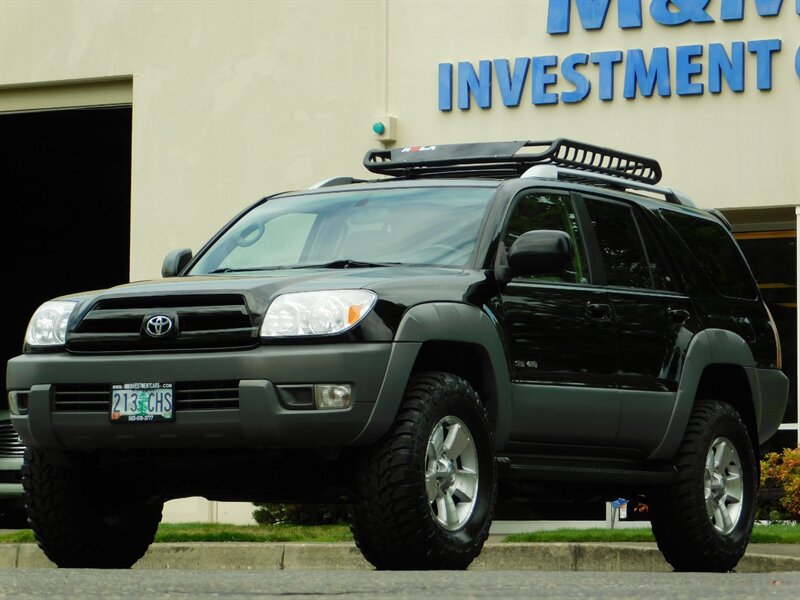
(618, 237)
(716, 253)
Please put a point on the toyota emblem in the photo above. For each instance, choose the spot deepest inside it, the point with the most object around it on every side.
(158, 326)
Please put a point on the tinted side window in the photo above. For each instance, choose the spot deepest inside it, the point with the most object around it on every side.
(549, 211)
(662, 279)
(620, 244)
(716, 253)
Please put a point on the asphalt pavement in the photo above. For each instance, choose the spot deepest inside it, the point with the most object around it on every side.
(641, 557)
(91, 584)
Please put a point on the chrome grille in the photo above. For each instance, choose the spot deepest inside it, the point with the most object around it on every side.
(201, 322)
(10, 445)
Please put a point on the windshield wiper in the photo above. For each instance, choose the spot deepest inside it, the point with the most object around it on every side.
(347, 263)
(242, 269)
(342, 263)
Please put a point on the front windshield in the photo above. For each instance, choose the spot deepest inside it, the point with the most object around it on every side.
(417, 226)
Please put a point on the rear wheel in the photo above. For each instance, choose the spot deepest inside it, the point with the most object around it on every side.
(703, 522)
(426, 493)
(86, 518)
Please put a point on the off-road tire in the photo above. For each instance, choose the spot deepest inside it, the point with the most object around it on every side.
(83, 518)
(391, 517)
(680, 520)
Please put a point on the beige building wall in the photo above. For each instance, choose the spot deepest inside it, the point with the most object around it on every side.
(235, 100)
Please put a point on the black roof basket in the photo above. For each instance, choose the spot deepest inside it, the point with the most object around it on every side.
(510, 159)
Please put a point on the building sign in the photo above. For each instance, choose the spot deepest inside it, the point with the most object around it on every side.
(698, 68)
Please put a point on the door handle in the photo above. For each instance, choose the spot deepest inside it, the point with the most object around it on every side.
(597, 311)
(678, 315)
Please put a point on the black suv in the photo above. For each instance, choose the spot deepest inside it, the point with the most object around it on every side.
(534, 319)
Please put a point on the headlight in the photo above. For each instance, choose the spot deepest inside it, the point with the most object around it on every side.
(316, 313)
(48, 326)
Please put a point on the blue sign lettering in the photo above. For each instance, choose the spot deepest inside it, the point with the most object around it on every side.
(511, 85)
(797, 54)
(697, 67)
(685, 69)
(470, 84)
(579, 80)
(763, 50)
(733, 10)
(445, 86)
(541, 79)
(592, 13)
(721, 66)
(686, 11)
(630, 14)
(606, 61)
(638, 73)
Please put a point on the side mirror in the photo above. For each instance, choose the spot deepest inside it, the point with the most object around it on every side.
(541, 251)
(175, 262)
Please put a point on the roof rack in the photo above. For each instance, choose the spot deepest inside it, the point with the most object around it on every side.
(510, 159)
(670, 195)
(333, 181)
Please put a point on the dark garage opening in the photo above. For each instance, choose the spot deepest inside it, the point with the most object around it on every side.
(65, 181)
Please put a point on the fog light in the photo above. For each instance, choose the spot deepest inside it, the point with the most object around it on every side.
(18, 403)
(332, 396)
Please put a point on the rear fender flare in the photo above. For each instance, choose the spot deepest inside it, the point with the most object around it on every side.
(709, 347)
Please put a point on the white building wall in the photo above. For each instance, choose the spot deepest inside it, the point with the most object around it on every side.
(196, 509)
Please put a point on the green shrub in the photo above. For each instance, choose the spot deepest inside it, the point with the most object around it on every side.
(779, 498)
(300, 514)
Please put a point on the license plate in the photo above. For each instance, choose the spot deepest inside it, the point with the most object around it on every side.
(142, 402)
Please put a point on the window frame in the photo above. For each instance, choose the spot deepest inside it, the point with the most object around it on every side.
(698, 265)
(644, 226)
(575, 201)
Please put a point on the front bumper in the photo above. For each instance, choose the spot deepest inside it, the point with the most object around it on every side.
(10, 459)
(260, 420)
(10, 477)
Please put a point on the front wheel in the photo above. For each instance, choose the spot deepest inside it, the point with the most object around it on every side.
(426, 493)
(85, 517)
(703, 522)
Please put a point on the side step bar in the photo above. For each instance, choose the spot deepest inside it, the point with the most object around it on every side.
(550, 469)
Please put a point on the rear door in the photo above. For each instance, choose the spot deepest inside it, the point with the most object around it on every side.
(655, 321)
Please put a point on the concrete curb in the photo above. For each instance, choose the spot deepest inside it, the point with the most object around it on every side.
(345, 556)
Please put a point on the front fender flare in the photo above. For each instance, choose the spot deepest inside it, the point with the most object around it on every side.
(445, 322)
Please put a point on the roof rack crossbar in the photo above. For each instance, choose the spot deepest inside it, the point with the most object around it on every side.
(506, 159)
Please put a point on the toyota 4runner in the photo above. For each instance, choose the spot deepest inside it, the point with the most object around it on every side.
(538, 318)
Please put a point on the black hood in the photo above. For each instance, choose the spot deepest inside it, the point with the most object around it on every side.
(399, 284)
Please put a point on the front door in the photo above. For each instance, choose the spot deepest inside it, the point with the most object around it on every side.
(562, 341)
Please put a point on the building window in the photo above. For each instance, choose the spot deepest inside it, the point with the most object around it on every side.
(773, 258)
